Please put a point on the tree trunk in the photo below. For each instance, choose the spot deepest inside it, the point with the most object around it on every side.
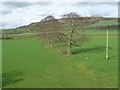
(69, 49)
(51, 43)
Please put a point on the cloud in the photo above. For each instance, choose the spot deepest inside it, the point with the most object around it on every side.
(96, 3)
(63, 0)
(6, 25)
(8, 7)
(16, 4)
(95, 13)
(43, 3)
(16, 14)
(5, 11)
(23, 4)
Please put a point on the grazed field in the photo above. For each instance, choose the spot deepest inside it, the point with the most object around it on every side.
(29, 63)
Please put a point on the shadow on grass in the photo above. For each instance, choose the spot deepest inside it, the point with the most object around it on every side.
(89, 50)
(114, 56)
(11, 77)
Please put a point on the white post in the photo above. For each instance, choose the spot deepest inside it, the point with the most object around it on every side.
(107, 45)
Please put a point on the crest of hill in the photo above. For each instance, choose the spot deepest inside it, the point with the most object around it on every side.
(103, 21)
(102, 24)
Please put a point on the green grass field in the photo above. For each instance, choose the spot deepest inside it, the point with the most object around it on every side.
(105, 23)
(28, 63)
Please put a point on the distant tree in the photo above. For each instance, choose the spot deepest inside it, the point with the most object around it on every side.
(75, 34)
(49, 29)
(48, 18)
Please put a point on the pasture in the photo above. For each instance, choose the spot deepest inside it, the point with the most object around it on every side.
(29, 63)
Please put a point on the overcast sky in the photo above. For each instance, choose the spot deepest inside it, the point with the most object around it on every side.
(17, 12)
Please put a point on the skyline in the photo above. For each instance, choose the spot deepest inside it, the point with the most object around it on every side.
(15, 14)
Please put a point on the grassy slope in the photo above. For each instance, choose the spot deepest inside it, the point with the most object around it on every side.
(28, 63)
(105, 23)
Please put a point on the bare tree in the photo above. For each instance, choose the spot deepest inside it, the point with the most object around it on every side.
(49, 29)
(75, 34)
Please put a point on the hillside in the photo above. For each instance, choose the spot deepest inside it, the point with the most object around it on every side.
(103, 24)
